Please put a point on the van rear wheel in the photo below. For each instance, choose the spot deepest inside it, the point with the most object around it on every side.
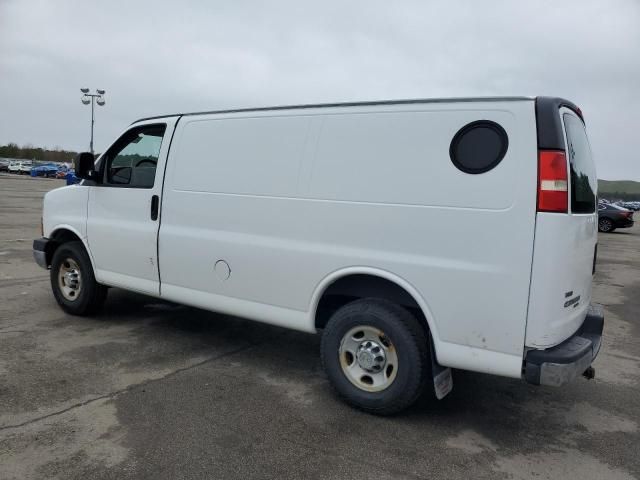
(376, 355)
(72, 281)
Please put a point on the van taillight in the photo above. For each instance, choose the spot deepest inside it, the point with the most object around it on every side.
(553, 188)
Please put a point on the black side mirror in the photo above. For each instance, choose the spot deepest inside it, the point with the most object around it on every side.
(84, 166)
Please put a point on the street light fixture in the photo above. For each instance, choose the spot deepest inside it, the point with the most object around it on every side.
(89, 98)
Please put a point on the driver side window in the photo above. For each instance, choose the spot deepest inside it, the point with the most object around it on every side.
(132, 161)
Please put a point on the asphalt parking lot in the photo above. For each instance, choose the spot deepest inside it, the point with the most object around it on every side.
(149, 389)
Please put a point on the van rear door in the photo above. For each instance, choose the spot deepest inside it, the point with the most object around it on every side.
(566, 226)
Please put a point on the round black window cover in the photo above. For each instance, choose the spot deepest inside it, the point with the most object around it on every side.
(479, 146)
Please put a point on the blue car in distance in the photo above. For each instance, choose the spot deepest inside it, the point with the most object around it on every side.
(45, 170)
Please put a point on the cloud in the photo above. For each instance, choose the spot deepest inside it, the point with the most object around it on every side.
(163, 57)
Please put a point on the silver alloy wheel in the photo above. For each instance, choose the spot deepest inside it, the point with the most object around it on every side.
(368, 358)
(70, 279)
(604, 225)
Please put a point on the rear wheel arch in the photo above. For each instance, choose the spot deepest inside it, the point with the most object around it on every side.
(342, 287)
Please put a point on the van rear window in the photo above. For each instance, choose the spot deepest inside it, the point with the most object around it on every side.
(583, 175)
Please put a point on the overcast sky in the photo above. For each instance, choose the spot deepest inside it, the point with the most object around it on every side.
(168, 56)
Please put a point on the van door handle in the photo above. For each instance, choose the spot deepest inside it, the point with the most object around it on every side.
(155, 200)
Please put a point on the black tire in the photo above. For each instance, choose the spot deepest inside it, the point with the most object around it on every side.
(605, 225)
(410, 343)
(92, 295)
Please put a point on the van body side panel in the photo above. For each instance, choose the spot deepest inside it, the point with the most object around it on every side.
(564, 249)
(273, 315)
(66, 208)
(286, 199)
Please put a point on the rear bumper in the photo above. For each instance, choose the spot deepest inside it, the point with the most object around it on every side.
(40, 251)
(560, 364)
(624, 224)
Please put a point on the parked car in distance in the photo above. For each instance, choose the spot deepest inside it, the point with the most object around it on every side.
(15, 166)
(416, 235)
(25, 167)
(71, 178)
(21, 167)
(45, 170)
(635, 206)
(612, 216)
(4, 165)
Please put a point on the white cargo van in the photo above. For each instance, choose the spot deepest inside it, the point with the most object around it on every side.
(418, 235)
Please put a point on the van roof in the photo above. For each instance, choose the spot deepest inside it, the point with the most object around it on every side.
(350, 104)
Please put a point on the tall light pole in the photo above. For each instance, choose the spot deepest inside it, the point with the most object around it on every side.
(91, 98)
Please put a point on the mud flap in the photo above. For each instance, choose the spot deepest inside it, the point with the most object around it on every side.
(442, 379)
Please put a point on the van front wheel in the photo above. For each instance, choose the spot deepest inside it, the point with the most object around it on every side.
(72, 281)
(376, 355)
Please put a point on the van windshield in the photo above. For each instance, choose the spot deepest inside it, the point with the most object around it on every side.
(583, 175)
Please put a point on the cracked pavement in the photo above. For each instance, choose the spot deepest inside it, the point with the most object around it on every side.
(149, 389)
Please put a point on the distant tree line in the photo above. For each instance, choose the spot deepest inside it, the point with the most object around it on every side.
(29, 152)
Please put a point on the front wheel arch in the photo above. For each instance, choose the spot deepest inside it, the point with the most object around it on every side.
(65, 234)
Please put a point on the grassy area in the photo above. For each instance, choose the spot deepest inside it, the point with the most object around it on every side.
(619, 189)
